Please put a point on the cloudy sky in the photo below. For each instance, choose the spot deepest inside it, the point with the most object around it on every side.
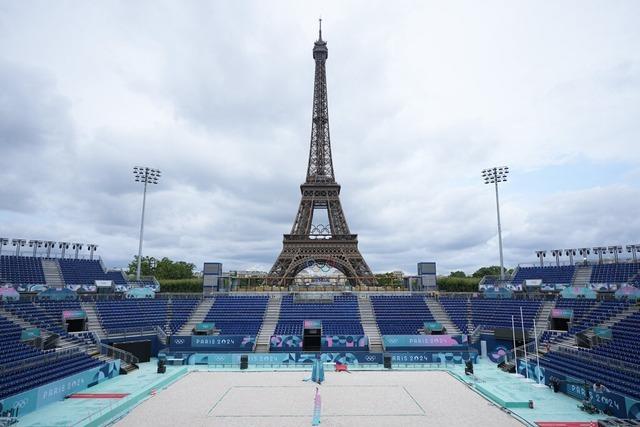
(422, 97)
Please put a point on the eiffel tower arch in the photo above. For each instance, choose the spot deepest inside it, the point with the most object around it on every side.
(311, 241)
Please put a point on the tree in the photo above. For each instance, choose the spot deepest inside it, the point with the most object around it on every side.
(494, 270)
(163, 269)
(457, 274)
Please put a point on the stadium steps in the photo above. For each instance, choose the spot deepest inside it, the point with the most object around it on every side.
(369, 324)
(441, 316)
(614, 319)
(197, 316)
(52, 274)
(542, 319)
(268, 327)
(167, 325)
(93, 321)
(582, 275)
(470, 325)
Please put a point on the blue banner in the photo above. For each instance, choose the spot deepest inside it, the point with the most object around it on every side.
(411, 342)
(31, 400)
(212, 342)
(265, 359)
(456, 357)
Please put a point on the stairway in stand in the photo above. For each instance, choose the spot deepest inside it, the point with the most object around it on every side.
(441, 316)
(197, 316)
(542, 319)
(269, 322)
(582, 276)
(369, 324)
(93, 321)
(52, 274)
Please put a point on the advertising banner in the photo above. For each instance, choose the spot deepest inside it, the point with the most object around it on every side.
(455, 357)
(31, 400)
(73, 314)
(400, 342)
(212, 342)
(562, 313)
(267, 359)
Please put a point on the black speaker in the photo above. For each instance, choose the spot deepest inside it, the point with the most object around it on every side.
(387, 361)
(162, 368)
(244, 361)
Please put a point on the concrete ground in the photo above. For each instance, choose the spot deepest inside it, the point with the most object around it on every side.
(363, 398)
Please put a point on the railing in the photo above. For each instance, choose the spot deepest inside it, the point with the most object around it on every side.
(162, 336)
(476, 333)
(38, 360)
(596, 358)
(143, 330)
(116, 353)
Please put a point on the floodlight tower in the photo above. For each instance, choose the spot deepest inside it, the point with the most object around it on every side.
(557, 253)
(146, 176)
(92, 248)
(615, 250)
(3, 242)
(494, 176)
(600, 251)
(63, 247)
(48, 245)
(633, 249)
(35, 244)
(76, 247)
(571, 253)
(584, 252)
(18, 243)
(541, 255)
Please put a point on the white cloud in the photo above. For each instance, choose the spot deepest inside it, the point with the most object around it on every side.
(217, 95)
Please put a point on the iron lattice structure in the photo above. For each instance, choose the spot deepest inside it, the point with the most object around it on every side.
(308, 243)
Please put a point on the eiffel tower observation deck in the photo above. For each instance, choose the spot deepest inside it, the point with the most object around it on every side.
(320, 235)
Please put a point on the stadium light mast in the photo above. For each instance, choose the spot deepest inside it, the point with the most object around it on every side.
(541, 255)
(571, 253)
(615, 250)
(3, 242)
(632, 249)
(48, 245)
(494, 176)
(18, 243)
(146, 176)
(35, 244)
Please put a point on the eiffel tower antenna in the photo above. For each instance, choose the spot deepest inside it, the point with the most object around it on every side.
(310, 242)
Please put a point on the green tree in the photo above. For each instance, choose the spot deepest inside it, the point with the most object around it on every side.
(163, 269)
(457, 274)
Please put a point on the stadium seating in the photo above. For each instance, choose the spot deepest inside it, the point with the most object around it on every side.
(497, 313)
(552, 274)
(457, 309)
(341, 317)
(86, 272)
(118, 315)
(181, 310)
(21, 270)
(13, 351)
(400, 315)
(614, 273)
(238, 315)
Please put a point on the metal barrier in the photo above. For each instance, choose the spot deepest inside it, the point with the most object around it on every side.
(116, 353)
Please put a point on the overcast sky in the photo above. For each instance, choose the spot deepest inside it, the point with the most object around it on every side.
(422, 97)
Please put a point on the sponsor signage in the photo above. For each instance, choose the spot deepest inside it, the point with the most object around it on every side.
(562, 313)
(212, 342)
(423, 341)
(31, 400)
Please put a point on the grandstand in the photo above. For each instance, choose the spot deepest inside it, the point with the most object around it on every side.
(596, 339)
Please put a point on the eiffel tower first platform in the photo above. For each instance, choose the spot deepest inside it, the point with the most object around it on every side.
(309, 242)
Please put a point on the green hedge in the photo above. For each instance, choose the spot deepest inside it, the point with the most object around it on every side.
(458, 284)
(181, 285)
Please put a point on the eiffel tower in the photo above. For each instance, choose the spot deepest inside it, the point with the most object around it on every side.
(310, 243)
